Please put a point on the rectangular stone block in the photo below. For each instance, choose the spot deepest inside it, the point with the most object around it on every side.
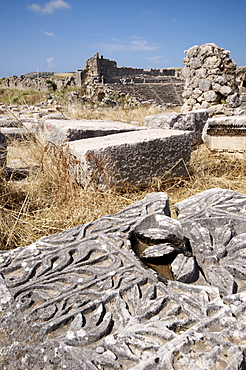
(191, 121)
(16, 133)
(58, 131)
(132, 157)
(226, 133)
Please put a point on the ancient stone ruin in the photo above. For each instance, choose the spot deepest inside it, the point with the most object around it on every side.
(136, 290)
(108, 83)
(210, 80)
(99, 69)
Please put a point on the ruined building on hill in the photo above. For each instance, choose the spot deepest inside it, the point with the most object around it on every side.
(103, 78)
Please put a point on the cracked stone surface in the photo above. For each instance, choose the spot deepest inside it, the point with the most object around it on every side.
(82, 299)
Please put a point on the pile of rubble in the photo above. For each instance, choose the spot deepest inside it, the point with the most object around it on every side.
(210, 84)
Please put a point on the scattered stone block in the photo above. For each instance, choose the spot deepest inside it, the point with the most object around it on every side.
(225, 134)
(192, 121)
(58, 131)
(133, 157)
(17, 133)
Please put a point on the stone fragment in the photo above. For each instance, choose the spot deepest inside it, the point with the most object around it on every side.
(195, 63)
(134, 157)
(225, 91)
(225, 133)
(211, 96)
(204, 84)
(185, 269)
(190, 121)
(158, 251)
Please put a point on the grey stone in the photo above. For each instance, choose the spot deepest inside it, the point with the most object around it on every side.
(205, 84)
(211, 96)
(133, 157)
(191, 121)
(58, 131)
(185, 269)
(81, 299)
(195, 63)
(233, 100)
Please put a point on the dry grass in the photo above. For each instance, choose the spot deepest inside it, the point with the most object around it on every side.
(128, 114)
(23, 97)
(50, 201)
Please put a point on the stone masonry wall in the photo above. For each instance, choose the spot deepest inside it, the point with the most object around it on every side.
(210, 84)
(45, 84)
(99, 69)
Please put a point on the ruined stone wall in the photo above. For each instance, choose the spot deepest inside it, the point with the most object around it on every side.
(99, 69)
(211, 83)
(40, 83)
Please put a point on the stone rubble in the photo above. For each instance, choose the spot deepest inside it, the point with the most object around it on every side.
(82, 299)
(210, 81)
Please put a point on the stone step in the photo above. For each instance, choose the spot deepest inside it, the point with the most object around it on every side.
(131, 157)
(169, 93)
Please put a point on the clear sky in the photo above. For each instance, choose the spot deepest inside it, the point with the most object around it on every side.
(59, 35)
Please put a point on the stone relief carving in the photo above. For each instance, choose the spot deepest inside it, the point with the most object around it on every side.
(82, 299)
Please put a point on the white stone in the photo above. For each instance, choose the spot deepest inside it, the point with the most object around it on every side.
(225, 141)
(210, 96)
(192, 121)
(58, 131)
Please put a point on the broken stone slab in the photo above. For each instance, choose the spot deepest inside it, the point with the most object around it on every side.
(134, 157)
(83, 299)
(58, 131)
(157, 239)
(16, 133)
(225, 133)
(192, 121)
(3, 150)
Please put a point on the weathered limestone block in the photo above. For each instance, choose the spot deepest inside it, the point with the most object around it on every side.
(134, 157)
(58, 131)
(191, 121)
(81, 299)
(225, 133)
(3, 150)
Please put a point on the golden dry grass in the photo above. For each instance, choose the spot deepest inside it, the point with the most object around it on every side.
(128, 114)
(50, 201)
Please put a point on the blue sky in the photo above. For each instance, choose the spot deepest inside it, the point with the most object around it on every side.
(59, 35)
